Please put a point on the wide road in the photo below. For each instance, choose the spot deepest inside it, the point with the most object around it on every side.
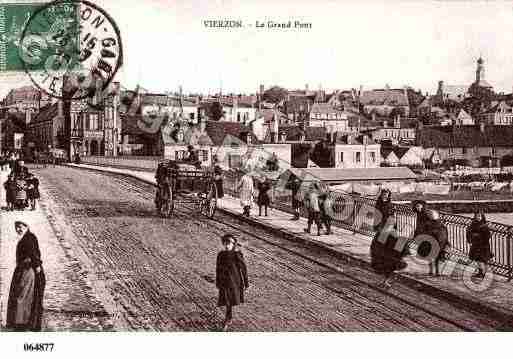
(160, 272)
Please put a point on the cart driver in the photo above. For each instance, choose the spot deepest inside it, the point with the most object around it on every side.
(192, 156)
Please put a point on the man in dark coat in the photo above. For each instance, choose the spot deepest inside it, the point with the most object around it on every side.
(263, 199)
(231, 277)
(295, 185)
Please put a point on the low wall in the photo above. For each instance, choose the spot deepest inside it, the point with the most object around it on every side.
(148, 163)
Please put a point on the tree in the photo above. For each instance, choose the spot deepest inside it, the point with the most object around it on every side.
(275, 94)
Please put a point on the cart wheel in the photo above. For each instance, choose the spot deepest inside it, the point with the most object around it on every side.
(170, 201)
(209, 204)
(168, 204)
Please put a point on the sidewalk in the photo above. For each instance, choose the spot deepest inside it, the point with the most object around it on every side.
(70, 303)
(454, 284)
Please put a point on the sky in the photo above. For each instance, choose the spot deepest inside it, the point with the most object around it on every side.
(351, 43)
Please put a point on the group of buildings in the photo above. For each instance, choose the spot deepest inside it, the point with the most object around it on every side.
(354, 128)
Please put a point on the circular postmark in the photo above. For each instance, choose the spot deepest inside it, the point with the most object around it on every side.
(71, 49)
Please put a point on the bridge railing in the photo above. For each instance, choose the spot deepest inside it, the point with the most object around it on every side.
(355, 213)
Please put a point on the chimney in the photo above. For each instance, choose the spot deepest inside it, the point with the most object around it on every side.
(397, 123)
(203, 125)
(306, 87)
(60, 110)
(261, 91)
(28, 116)
(482, 127)
(235, 103)
(276, 125)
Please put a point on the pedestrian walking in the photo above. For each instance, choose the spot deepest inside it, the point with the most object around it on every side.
(20, 201)
(295, 187)
(32, 190)
(326, 207)
(247, 190)
(263, 199)
(478, 236)
(25, 304)
(386, 255)
(10, 192)
(231, 277)
(435, 231)
(218, 180)
(314, 210)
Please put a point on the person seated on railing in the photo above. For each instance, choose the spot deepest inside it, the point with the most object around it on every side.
(419, 208)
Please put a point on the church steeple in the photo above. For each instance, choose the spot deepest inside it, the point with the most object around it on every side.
(480, 71)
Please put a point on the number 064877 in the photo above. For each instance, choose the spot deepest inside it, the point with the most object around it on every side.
(38, 347)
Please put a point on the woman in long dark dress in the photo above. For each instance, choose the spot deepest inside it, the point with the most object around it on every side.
(263, 199)
(385, 258)
(231, 277)
(32, 190)
(25, 304)
(436, 230)
(218, 181)
(478, 235)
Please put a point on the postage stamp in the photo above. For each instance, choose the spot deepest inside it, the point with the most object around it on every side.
(13, 18)
(67, 47)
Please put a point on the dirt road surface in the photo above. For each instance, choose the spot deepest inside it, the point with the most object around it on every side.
(159, 272)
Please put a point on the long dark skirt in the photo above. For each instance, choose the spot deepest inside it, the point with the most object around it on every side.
(385, 259)
(480, 252)
(220, 189)
(25, 304)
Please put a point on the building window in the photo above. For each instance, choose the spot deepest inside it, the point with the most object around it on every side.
(494, 151)
(476, 149)
(180, 155)
(203, 155)
(464, 150)
(234, 161)
(238, 116)
(372, 156)
(358, 157)
(341, 156)
(191, 115)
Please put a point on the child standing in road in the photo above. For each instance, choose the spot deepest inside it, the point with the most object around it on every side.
(32, 191)
(231, 277)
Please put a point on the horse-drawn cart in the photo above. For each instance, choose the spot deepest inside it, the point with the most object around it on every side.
(185, 183)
